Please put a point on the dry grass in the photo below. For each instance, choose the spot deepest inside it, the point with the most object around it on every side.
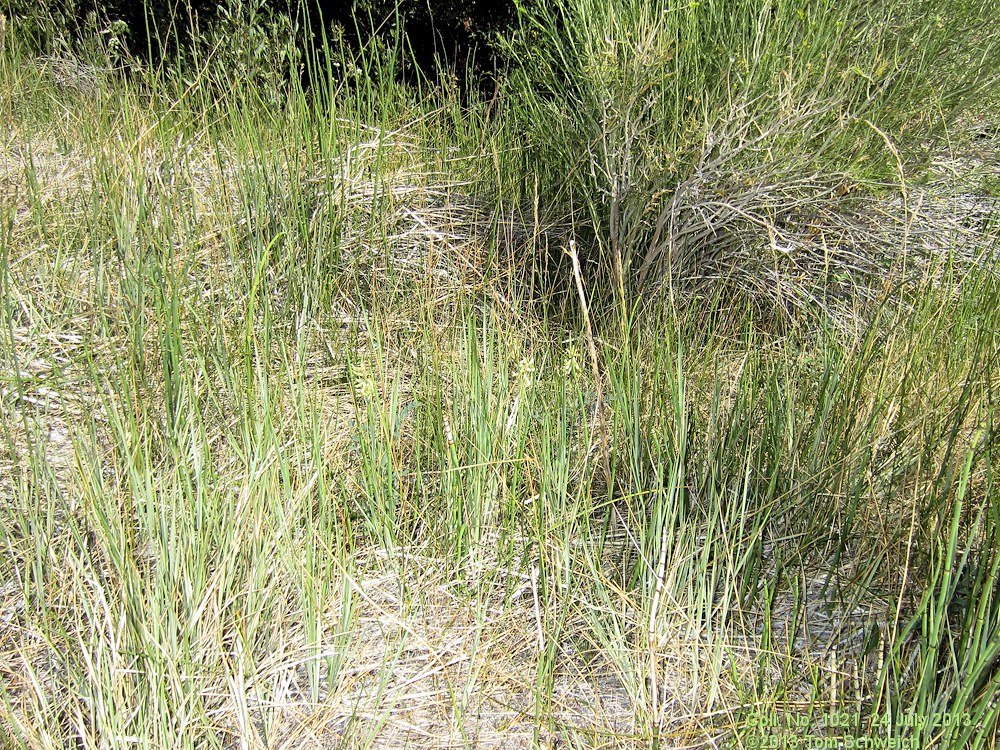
(288, 461)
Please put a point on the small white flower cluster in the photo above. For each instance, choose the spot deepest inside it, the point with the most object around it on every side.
(572, 364)
(525, 374)
(367, 389)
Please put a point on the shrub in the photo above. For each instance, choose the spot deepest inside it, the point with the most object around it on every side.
(455, 34)
(155, 28)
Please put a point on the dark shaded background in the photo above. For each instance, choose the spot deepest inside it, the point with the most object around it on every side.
(452, 35)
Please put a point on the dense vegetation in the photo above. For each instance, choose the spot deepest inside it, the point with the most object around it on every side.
(429, 36)
(645, 397)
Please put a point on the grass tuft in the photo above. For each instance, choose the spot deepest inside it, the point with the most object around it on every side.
(598, 416)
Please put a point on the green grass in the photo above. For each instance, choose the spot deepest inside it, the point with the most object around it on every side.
(688, 139)
(305, 439)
